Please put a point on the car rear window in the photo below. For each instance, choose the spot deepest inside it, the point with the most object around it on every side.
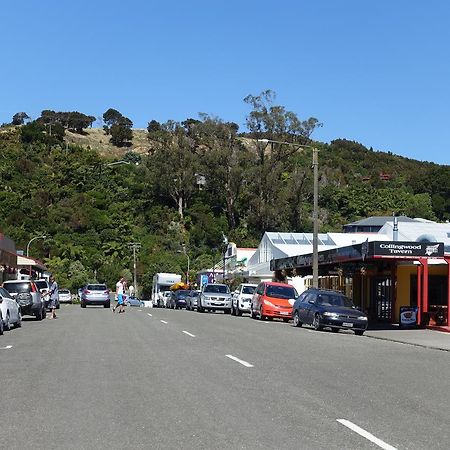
(20, 287)
(217, 288)
(41, 284)
(96, 287)
(64, 291)
(281, 291)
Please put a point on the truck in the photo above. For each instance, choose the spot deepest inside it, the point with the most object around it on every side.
(162, 283)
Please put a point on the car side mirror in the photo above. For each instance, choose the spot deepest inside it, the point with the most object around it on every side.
(311, 302)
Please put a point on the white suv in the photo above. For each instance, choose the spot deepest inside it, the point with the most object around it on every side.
(242, 299)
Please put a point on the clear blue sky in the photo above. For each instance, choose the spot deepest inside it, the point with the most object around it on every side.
(377, 72)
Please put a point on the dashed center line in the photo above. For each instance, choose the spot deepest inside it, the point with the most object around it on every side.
(189, 334)
(163, 321)
(6, 348)
(148, 314)
(366, 434)
(240, 361)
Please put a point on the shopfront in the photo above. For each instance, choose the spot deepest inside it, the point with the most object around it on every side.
(382, 276)
(8, 258)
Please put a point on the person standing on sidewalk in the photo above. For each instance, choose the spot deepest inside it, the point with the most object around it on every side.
(120, 289)
(54, 297)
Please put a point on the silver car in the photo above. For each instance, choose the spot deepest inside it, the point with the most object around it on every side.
(242, 299)
(95, 294)
(214, 297)
(65, 296)
(191, 300)
(27, 295)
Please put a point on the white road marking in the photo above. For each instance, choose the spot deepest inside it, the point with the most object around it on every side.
(6, 348)
(148, 314)
(240, 361)
(163, 321)
(189, 334)
(366, 434)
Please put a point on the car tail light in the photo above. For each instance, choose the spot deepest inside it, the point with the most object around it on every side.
(106, 292)
(33, 287)
(86, 291)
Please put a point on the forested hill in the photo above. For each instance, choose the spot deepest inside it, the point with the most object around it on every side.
(193, 183)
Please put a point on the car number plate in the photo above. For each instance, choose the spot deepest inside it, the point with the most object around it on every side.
(284, 313)
(347, 324)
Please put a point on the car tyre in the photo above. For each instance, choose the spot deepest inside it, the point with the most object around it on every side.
(316, 323)
(7, 324)
(252, 312)
(238, 311)
(359, 332)
(83, 305)
(18, 324)
(261, 315)
(296, 320)
(1, 325)
(335, 330)
(108, 305)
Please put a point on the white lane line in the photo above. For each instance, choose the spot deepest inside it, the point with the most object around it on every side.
(189, 334)
(240, 361)
(163, 321)
(148, 314)
(6, 348)
(366, 434)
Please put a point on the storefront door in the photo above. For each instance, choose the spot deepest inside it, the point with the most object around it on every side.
(382, 298)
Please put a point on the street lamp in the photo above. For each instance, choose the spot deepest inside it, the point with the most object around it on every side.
(187, 256)
(315, 165)
(33, 239)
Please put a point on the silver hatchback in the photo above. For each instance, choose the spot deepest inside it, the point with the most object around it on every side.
(95, 294)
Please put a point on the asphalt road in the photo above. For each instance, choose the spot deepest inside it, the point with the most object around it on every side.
(96, 380)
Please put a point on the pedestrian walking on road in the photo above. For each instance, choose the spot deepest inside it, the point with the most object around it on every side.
(54, 297)
(120, 289)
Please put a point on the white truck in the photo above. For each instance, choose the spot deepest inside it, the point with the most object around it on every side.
(162, 283)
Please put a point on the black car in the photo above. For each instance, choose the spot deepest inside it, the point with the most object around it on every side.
(178, 299)
(328, 309)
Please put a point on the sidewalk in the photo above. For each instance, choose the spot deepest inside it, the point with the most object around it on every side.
(420, 337)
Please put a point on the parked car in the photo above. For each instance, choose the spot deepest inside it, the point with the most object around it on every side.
(214, 297)
(95, 294)
(323, 308)
(191, 300)
(242, 298)
(10, 310)
(163, 298)
(65, 296)
(177, 300)
(1, 323)
(272, 299)
(27, 295)
(133, 301)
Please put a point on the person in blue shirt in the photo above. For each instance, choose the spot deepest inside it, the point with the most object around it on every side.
(54, 297)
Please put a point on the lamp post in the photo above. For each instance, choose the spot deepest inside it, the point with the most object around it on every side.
(33, 239)
(315, 166)
(188, 261)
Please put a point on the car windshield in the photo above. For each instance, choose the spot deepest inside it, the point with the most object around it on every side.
(281, 291)
(96, 287)
(41, 284)
(182, 293)
(334, 300)
(18, 287)
(64, 291)
(248, 289)
(217, 288)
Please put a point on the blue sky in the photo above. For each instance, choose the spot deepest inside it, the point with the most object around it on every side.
(377, 72)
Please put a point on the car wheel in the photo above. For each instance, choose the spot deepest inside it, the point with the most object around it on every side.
(227, 311)
(39, 315)
(238, 311)
(83, 305)
(252, 312)
(335, 330)
(18, 324)
(316, 323)
(1, 325)
(296, 320)
(261, 315)
(108, 305)
(359, 332)
(7, 324)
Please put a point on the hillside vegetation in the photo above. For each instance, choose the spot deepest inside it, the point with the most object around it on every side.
(195, 182)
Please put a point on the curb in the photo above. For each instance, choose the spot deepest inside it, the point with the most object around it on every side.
(431, 347)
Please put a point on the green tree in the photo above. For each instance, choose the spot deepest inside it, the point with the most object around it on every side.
(20, 118)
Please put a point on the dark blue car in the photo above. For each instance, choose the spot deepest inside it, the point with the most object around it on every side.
(328, 309)
(178, 299)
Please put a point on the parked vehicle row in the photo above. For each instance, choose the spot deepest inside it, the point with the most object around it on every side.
(319, 308)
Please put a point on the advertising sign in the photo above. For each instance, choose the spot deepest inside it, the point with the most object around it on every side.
(408, 249)
(408, 316)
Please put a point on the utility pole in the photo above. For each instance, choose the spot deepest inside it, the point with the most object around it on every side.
(135, 246)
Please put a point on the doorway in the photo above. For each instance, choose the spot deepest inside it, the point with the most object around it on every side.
(382, 299)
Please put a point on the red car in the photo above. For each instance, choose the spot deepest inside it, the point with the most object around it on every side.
(272, 299)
